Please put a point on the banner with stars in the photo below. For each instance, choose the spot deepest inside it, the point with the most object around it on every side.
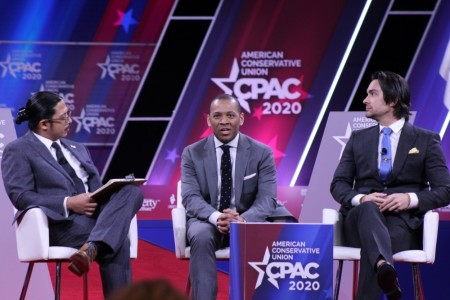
(93, 55)
(270, 55)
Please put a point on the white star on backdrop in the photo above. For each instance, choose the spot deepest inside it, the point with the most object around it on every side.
(342, 139)
(221, 83)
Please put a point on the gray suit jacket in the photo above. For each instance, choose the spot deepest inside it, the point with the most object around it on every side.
(423, 172)
(255, 179)
(32, 177)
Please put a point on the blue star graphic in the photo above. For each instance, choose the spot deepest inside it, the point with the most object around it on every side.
(328, 293)
(172, 155)
(125, 19)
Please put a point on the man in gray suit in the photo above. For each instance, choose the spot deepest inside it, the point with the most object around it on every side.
(253, 192)
(388, 177)
(36, 171)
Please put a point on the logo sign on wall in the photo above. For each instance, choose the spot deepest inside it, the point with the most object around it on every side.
(270, 67)
(249, 80)
(159, 200)
(97, 113)
(95, 61)
(281, 261)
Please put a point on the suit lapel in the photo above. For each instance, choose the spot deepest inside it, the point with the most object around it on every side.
(372, 149)
(73, 149)
(407, 138)
(43, 152)
(210, 167)
(242, 157)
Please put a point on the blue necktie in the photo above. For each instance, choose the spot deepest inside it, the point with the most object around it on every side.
(226, 181)
(386, 155)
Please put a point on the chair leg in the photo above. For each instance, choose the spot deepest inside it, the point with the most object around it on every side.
(418, 289)
(58, 280)
(85, 286)
(188, 286)
(27, 281)
(338, 279)
(355, 277)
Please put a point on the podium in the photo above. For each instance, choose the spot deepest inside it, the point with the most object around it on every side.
(281, 261)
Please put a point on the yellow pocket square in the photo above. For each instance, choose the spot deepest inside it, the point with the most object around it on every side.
(413, 151)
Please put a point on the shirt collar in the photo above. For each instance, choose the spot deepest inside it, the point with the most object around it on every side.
(47, 142)
(233, 143)
(396, 126)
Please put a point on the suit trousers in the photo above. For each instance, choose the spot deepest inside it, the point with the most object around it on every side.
(204, 240)
(379, 235)
(109, 225)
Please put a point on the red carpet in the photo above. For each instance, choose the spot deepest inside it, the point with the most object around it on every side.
(152, 262)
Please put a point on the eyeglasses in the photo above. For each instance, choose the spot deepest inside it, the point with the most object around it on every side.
(64, 117)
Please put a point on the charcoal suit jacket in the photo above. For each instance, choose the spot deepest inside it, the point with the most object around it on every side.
(255, 179)
(33, 178)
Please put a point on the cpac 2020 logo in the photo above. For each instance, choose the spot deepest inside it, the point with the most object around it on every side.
(102, 125)
(256, 88)
(301, 277)
(126, 72)
(28, 70)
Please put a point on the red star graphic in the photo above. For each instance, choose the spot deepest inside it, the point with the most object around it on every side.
(273, 144)
(257, 113)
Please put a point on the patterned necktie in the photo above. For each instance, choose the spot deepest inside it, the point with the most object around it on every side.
(386, 154)
(226, 181)
(69, 170)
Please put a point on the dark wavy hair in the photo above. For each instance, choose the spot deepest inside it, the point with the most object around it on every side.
(40, 106)
(395, 90)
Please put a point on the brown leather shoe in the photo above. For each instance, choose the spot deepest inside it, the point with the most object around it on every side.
(82, 259)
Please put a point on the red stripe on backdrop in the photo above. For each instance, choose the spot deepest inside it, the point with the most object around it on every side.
(150, 31)
(88, 73)
(152, 262)
(106, 30)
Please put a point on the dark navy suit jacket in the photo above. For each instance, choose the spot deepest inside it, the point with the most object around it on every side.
(419, 167)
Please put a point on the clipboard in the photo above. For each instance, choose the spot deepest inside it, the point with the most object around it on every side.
(113, 185)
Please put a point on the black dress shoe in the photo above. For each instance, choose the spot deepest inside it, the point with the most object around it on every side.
(388, 281)
(82, 259)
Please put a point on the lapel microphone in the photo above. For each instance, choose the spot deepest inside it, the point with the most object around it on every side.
(383, 151)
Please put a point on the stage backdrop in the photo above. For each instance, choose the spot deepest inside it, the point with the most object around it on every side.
(94, 55)
(267, 54)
